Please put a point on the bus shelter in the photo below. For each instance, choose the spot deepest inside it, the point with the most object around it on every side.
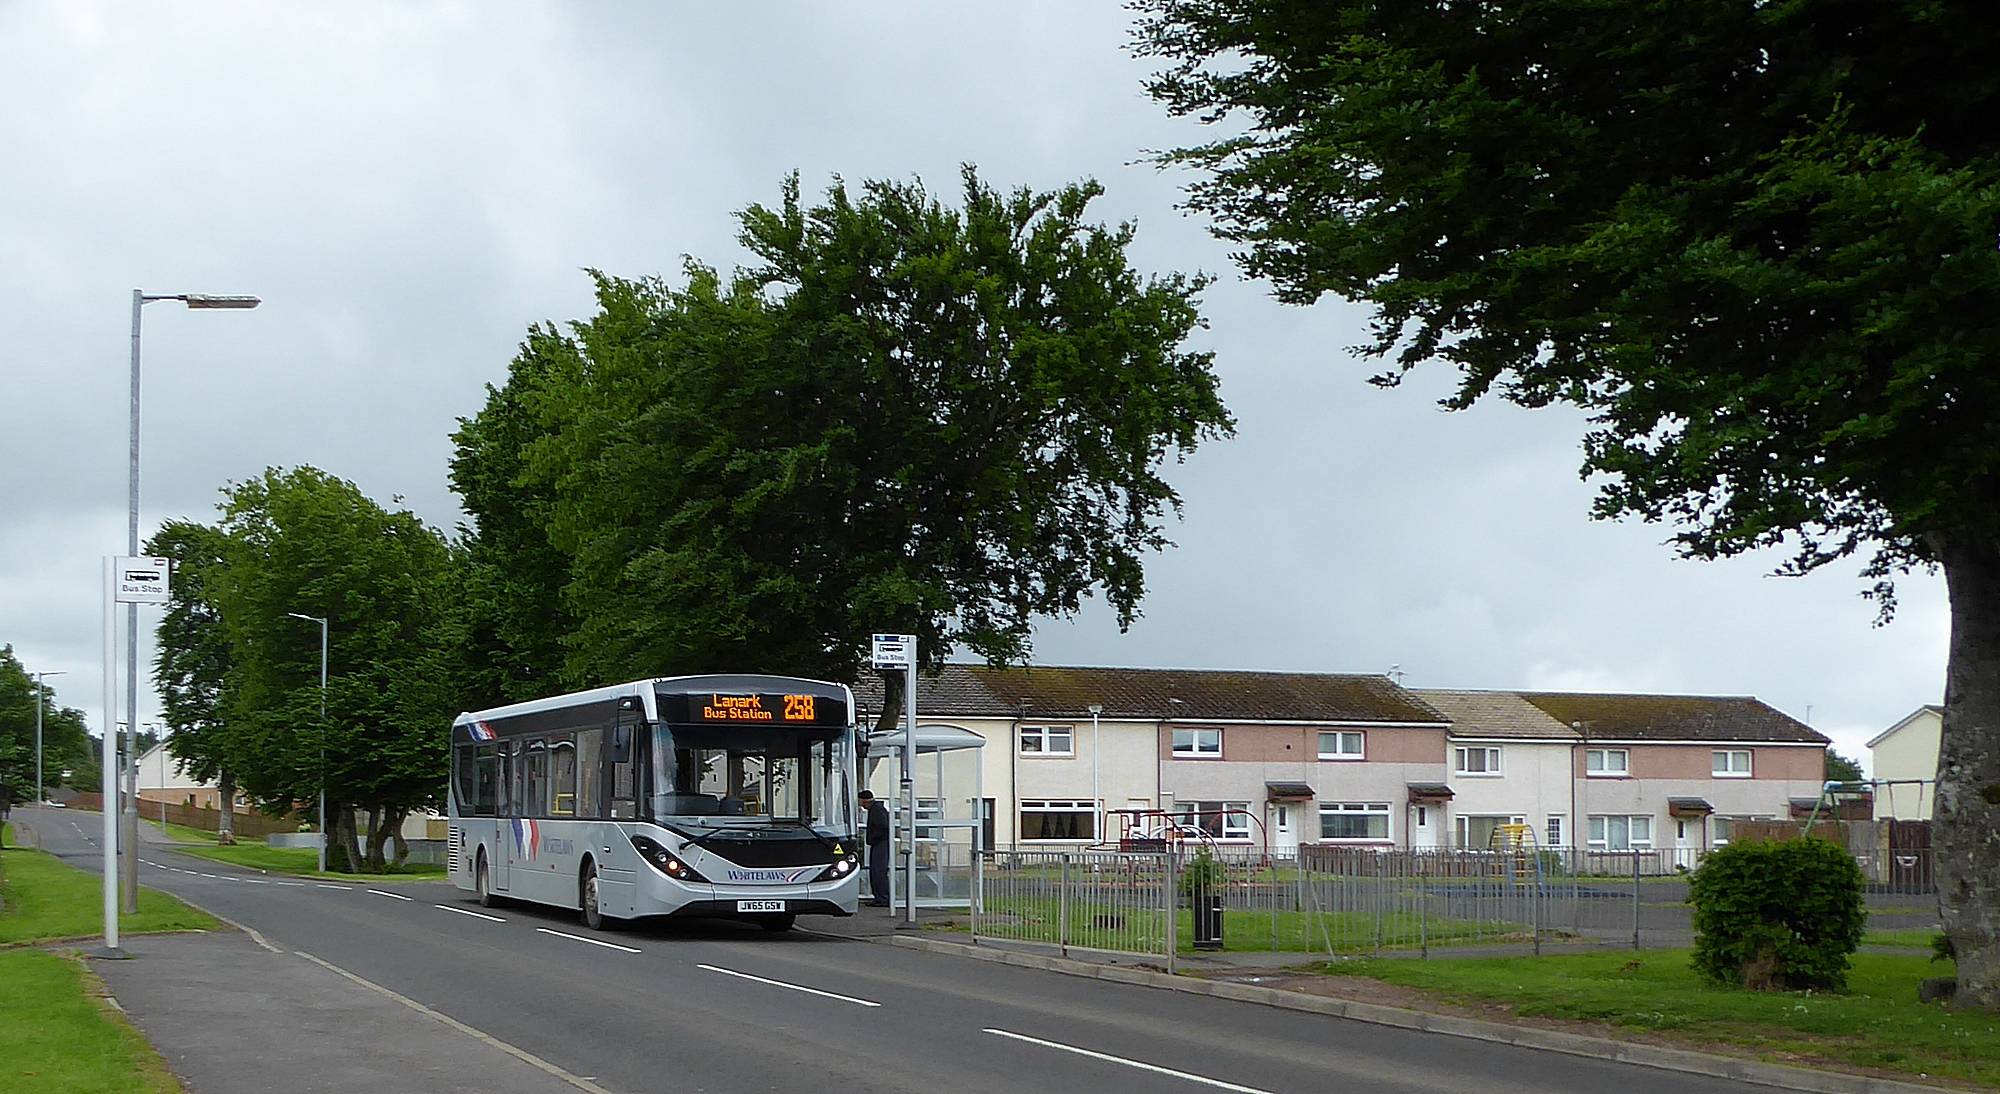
(951, 792)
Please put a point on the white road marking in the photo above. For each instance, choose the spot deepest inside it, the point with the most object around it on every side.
(1108, 1058)
(473, 914)
(324, 885)
(592, 941)
(391, 896)
(793, 987)
(291, 884)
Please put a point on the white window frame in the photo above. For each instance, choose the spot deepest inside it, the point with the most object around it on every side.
(1341, 739)
(1556, 830)
(1197, 752)
(1057, 805)
(1604, 760)
(1043, 736)
(1600, 829)
(1492, 768)
(1234, 819)
(1461, 823)
(1726, 757)
(1359, 809)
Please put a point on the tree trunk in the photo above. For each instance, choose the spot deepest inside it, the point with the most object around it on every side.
(401, 845)
(1967, 813)
(350, 844)
(225, 825)
(374, 839)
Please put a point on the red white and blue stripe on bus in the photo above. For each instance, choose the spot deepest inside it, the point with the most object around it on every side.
(481, 731)
(527, 837)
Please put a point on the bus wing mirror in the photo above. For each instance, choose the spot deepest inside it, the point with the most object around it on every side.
(621, 744)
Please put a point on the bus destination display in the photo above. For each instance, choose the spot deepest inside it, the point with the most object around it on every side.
(773, 709)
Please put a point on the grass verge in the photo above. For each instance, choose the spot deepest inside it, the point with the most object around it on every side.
(67, 1041)
(1116, 926)
(45, 898)
(1915, 939)
(300, 861)
(1877, 1025)
(181, 833)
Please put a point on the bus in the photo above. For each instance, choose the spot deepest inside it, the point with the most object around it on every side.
(715, 796)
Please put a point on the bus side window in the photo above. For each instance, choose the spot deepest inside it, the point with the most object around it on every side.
(534, 779)
(590, 773)
(624, 771)
(510, 788)
(562, 775)
(462, 783)
(485, 793)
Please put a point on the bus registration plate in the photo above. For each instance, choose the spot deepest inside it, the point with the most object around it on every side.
(760, 905)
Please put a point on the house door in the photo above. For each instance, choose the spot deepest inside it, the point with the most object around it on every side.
(1687, 840)
(1284, 829)
(1425, 827)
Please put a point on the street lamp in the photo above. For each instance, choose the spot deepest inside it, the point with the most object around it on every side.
(130, 840)
(321, 620)
(41, 700)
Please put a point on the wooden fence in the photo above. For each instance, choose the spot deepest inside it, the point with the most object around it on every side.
(246, 825)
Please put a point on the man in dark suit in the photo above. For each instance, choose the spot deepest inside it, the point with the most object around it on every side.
(876, 832)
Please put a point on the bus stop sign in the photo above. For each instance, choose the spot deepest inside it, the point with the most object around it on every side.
(142, 580)
(894, 651)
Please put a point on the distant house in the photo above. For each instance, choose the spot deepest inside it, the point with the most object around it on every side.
(1907, 750)
(162, 778)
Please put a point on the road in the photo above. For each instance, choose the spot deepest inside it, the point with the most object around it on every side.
(694, 1007)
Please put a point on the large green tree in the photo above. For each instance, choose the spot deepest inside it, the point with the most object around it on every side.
(191, 667)
(1754, 240)
(905, 416)
(66, 745)
(303, 541)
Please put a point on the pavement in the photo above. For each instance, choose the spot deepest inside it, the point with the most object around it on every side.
(411, 986)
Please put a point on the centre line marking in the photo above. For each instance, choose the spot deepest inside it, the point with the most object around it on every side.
(391, 896)
(1155, 1068)
(793, 987)
(324, 885)
(475, 915)
(592, 941)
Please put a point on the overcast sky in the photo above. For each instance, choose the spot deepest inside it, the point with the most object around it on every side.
(409, 186)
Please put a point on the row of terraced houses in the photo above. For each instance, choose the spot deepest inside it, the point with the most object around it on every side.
(1081, 756)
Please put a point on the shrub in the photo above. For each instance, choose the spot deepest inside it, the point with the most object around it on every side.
(1201, 873)
(1774, 916)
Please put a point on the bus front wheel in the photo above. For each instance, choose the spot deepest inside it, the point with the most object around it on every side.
(593, 912)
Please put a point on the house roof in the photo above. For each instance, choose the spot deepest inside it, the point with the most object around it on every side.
(1494, 714)
(1065, 692)
(1674, 717)
(1904, 722)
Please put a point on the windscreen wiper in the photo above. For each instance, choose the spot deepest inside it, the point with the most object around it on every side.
(817, 834)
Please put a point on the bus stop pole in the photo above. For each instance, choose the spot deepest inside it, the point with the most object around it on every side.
(910, 787)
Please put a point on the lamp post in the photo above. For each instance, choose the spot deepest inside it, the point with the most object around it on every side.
(41, 700)
(130, 839)
(1096, 799)
(321, 620)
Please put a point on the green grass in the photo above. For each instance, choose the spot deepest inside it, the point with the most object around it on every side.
(181, 833)
(1877, 1024)
(1104, 926)
(301, 861)
(48, 899)
(1914, 938)
(61, 1039)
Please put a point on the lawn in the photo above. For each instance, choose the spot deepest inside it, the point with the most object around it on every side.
(61, 1039)
(1096, 925)
(181, 833)
(1877, 1024)
(301, 861)
(1916, 939)
(47, 899)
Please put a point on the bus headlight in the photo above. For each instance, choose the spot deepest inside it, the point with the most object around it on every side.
(842, 866)
(663, 860)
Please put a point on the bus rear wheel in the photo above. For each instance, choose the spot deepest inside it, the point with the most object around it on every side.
(778, 922)
(484, 888)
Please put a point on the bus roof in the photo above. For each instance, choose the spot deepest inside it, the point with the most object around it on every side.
(613, 692)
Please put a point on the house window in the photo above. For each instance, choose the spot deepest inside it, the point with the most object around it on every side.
(1354, 821)
(1047, 741)
(1477, 759)
(1608, 762)
(1221, 820)
(1731, 763)
(1621, 833)
(1341, 746)
(1479, 833)
(1198, 743)
(1059, 820)
(1554, 832)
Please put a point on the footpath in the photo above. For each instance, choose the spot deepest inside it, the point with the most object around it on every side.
(233, 1014)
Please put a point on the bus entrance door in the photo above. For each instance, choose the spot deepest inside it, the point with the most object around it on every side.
(510, 825)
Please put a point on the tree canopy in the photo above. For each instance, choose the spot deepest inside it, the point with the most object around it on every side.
(904, 416)
(1755, 241)
(66, 745)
